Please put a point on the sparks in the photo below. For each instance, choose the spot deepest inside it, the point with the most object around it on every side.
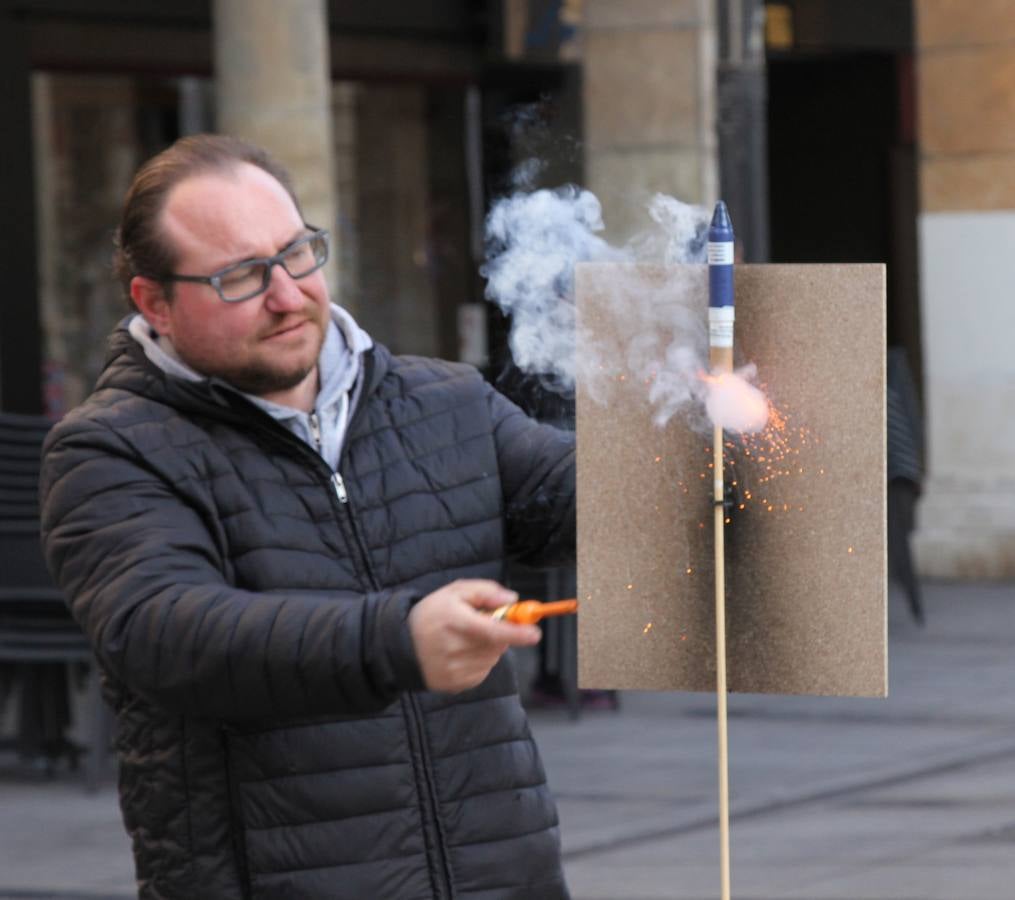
(760, 459)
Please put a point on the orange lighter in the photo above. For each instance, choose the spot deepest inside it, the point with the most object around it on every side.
(528, 612)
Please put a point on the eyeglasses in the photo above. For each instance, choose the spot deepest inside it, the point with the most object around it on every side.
(247, 279)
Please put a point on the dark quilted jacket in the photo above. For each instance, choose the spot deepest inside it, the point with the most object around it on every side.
(274, 736)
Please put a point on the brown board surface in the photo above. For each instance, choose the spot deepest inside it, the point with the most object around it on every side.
(805, 555)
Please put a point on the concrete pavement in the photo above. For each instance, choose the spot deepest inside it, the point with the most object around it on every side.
(909, 798)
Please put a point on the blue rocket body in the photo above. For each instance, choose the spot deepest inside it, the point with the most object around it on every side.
(720, 289)
(720, 258)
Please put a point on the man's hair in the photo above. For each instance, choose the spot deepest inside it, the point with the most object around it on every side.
(141, 248)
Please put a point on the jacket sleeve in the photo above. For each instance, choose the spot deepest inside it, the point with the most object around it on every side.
(147, 584)
(537, 471)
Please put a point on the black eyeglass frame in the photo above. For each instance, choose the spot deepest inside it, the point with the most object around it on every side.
(269, 263)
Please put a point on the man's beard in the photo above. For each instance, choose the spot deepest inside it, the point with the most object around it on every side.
(260, 379)
(255, 367)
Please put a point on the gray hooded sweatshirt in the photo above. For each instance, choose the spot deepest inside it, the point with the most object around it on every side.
(339, 367)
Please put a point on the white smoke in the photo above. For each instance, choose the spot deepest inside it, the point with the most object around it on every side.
(681, 235)
(534, 241)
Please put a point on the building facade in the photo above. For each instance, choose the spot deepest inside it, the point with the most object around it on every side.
(889, 121)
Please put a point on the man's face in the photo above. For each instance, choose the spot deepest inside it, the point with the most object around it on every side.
(267, 345)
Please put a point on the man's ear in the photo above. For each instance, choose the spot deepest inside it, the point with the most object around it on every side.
(150, 298)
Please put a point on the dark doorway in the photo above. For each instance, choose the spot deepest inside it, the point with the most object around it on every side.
(842, 171)
(831, 127)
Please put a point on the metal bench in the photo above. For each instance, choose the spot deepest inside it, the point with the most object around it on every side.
(35, 625)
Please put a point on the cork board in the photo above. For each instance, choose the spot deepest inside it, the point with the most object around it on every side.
(805, 555)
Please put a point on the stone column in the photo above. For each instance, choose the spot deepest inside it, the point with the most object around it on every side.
(650, 100)
(273, 82)
(392, 176)
(966, 95)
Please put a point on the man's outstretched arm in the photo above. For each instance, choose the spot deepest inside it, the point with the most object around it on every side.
(149, 586)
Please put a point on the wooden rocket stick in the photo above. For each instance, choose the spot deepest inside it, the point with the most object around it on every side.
(720, 662)
(722, 363)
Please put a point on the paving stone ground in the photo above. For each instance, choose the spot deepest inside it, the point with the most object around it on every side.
(908, 798)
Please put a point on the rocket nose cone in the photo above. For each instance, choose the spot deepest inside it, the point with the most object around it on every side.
(721, 229)
(721, 217)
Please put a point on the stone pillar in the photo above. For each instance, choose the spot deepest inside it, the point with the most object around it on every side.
(273, 79)
(650, 100)
(392, 180)
(966, 95)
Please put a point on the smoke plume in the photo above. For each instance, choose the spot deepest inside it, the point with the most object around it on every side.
(533, 242)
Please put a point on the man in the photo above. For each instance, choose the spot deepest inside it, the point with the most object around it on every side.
(281, 540)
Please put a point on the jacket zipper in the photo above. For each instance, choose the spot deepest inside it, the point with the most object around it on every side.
(414, 714)
(342, 495)
(236, 823)
(337, 482)
(414, 722)
(339, 486)
(442, 869)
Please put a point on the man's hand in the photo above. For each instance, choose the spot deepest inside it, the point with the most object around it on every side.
(457, 645)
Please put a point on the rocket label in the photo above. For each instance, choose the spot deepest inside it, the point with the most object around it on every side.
(720, 326)
(720, 286)
(720, 253)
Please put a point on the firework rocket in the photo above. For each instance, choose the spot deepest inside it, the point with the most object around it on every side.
(720, 291)
(720, 354)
